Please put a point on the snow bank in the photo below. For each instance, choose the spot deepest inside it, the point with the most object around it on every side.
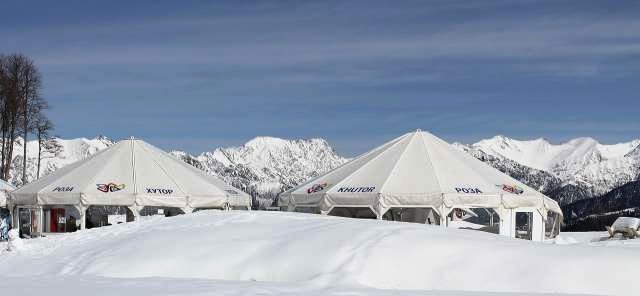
(321, 251)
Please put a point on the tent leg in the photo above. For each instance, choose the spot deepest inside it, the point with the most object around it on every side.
(136, 212)
(83, 217)
(187, 210)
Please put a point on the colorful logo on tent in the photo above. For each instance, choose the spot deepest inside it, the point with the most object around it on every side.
(514, 189)
(317, 187)
(110, 187)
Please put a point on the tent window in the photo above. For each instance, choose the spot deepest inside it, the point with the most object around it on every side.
(162, 211)
(482, 219)
(29, 222)
(413, 215)
(308, 210)
(204, 209)
(552, 225)
(98, 216)
(524, 225)
(61, 219)
(358, 212)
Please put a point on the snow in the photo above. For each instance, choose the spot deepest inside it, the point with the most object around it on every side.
(582, 161)
(275, 253)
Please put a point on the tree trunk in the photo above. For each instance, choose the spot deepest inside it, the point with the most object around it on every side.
(39, 154)
(25, 134)
(4, 140)
(9, 160)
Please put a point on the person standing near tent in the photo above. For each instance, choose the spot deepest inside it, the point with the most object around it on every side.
(5, 226)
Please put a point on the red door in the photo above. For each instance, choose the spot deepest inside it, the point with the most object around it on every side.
(57, 216)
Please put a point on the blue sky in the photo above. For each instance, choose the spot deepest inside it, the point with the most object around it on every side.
(196, 75)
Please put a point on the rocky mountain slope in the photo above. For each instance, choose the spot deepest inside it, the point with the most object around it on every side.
(571, 171)
(597, 212)
(266, 166)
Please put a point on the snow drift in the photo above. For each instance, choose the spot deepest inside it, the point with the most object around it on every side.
(326, 251)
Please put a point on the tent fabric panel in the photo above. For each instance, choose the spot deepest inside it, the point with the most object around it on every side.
(483, 201)
(62, 187)
(552, 205)
(512, 201)
(113, 199)
(161, 201)
(413, 172)
(456, 173)
(305, 199)
(198, 183)
(213, 201)
(373, 173)
(115, 175)
(433, 199)
(151, 179)
(359, 199)
(58, 199)
(325, 182)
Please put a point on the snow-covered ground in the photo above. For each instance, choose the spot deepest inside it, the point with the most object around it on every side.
(273, 253)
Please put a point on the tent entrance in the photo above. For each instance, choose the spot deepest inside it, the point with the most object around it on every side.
(353, 212)
(426, 215)
(552, 225)
(524, 225)
(308, 210)
(60, 218)
(98, 216)
(29, 222)
(160, 211)
(481, 219)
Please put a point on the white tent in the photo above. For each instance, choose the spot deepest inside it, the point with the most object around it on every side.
(5, 188)
(134, 174)
(419, 170)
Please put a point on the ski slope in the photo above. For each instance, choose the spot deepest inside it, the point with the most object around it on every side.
(274, 253)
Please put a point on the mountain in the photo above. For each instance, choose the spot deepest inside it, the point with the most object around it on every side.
(595, 213)
(584, 167)
(266, 166)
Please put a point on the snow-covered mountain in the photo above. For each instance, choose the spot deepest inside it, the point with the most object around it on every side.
(266, 166)
(585, 166)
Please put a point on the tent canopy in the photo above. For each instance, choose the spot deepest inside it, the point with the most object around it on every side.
(131, 172)
(416, 169)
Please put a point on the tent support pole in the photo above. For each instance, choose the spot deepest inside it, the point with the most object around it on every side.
(136, 212)
(83, 217)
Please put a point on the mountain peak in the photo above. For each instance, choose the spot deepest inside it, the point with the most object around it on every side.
(266, 141)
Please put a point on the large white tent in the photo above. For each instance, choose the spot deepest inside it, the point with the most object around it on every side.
(134, 174)
(420, 170)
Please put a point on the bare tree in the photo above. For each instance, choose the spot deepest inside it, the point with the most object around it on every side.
(43, 129)
(21, 108)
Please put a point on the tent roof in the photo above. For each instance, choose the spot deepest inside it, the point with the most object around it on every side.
(414, 169)
(131, 172)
